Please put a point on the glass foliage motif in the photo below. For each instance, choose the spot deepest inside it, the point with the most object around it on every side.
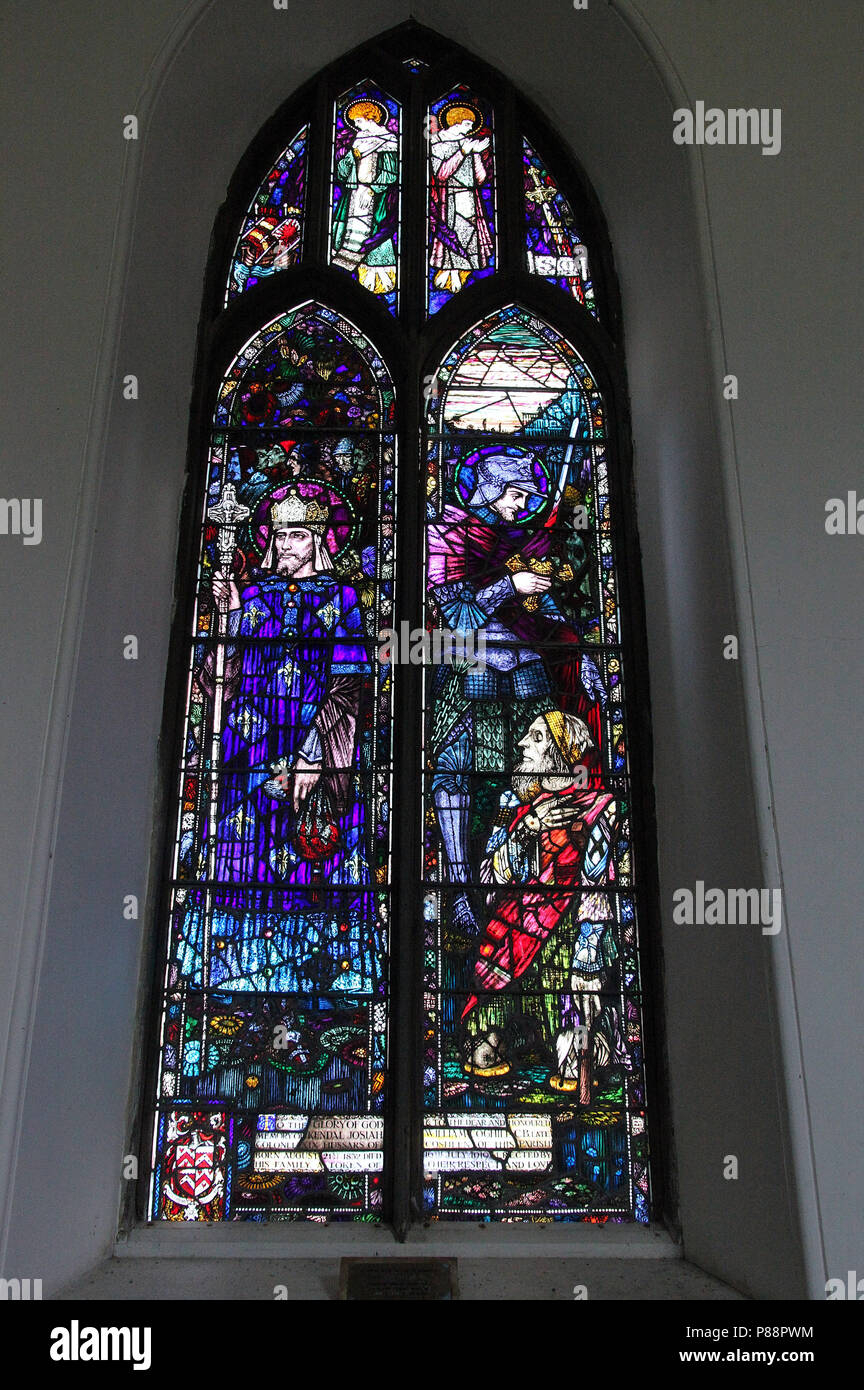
(534, 1086)
(274, 1025)
(553, 246)
(461, 195)
(365, 190)
(272, 235)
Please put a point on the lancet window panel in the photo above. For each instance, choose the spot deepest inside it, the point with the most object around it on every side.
(365, 190)
(275, 1014)
(461, 194)
(533, 1069)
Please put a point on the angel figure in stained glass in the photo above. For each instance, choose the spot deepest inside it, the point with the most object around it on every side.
(363, 222)
(461, 238)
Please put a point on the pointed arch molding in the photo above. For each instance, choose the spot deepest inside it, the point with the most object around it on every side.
(153, 307)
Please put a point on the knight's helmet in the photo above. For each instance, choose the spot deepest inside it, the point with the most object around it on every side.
(497, 472)
(300, 513)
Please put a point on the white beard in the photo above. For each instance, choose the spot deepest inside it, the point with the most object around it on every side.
(528, 783)
(527, 787)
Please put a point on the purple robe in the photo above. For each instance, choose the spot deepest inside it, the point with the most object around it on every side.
(292, 688)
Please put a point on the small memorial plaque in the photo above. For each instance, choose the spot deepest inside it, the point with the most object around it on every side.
(427, 1279)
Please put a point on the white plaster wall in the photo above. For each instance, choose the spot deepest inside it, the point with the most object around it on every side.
(104, 248)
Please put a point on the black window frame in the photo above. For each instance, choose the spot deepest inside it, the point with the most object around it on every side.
(412, 346)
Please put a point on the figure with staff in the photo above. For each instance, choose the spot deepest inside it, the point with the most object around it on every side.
(285, 840)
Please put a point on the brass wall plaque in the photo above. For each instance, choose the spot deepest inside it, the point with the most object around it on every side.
(392, 1280)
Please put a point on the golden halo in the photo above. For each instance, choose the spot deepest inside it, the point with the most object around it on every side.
(371, 110)
(460, 111)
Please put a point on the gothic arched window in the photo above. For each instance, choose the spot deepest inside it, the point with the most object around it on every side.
(403, 877)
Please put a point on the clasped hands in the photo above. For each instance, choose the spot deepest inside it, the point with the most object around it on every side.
(551, 815)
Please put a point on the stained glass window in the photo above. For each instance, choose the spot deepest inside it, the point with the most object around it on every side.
(461, 194)
(275, 1012)
(554, 247)
(401, 977)
(271, 238)
(364, 229)
(533, 1077)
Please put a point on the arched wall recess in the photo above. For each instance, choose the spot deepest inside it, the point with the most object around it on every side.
(142, 472)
